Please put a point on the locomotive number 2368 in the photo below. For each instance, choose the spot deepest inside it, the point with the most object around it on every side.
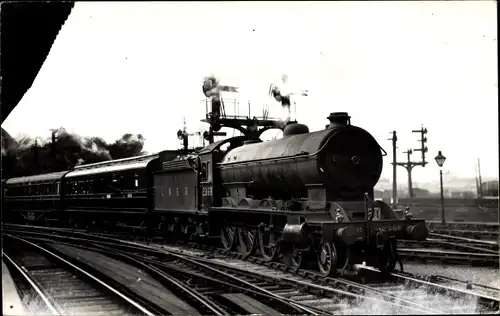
(207, 191)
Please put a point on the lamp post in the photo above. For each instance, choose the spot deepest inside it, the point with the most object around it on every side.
(440, 161)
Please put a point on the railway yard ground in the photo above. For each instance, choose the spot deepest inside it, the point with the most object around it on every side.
(69, 272)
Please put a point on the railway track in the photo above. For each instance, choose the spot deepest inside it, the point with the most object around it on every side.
(51, 285)
(489, 235)
(218, 292)
(446, 244)
(411, 291)
(450, 257)
(454, 243)
(470, 226)
(480, 288)
(398, 292)
(464, 250)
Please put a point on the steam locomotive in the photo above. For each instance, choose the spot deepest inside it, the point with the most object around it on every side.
(304, 198)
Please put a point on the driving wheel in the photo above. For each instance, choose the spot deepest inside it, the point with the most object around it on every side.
(327, 259)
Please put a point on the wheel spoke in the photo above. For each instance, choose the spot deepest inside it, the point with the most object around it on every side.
(246, 241)
(227, 235)
(327, 259)
(267, 245)
(294, 258)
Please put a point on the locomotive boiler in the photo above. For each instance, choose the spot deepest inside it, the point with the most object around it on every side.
(344, 158)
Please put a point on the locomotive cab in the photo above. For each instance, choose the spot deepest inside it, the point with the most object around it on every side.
(212, 190)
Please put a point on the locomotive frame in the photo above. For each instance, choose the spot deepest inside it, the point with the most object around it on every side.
(315, 210)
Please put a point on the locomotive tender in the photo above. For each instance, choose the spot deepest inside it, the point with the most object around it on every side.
(308, 195)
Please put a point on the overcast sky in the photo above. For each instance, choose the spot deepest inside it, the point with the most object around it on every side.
(130, 67)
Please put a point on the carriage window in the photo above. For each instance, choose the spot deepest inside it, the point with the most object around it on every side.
(209, 173)
(204, 171)
(136, 183)
(57, 188)
(47, 188)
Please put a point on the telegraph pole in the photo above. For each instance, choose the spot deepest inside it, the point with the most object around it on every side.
(36, 157)
(183, 135)
(53, 165)
(408, 165)
(480, 179)
(394, 140)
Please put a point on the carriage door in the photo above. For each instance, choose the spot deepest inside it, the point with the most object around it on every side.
(206, 185)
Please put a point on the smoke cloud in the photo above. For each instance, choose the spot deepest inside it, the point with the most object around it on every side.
(27, 156)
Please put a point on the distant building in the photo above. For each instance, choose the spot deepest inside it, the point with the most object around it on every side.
(419, 192)
(490, 188)
(463, 194)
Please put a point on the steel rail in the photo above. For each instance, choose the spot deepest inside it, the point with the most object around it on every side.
(110, 288)
(32, 283)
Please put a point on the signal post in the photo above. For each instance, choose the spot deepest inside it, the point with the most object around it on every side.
(408, 165)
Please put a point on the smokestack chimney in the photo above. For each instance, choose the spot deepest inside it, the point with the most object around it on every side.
(339, 119)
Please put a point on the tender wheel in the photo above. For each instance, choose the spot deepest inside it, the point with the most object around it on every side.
(387, 260)
(228, 237)
(189, 228)
(327, 259)
(247, 244)
(295, 258)
(174, 229)
(267, 244)
(73, 223)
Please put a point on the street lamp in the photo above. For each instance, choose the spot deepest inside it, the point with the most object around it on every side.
(440, 161)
